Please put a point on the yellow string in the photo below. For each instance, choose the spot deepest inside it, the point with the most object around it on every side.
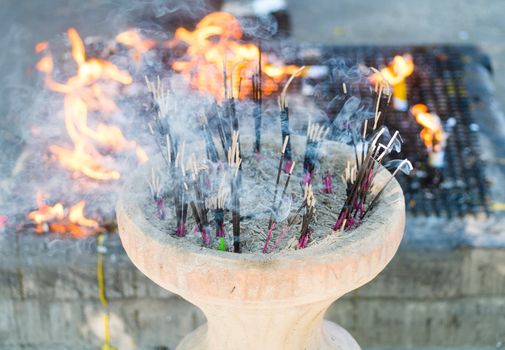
(99, 272)
(498, 206)
(101, 292)
(106, 337)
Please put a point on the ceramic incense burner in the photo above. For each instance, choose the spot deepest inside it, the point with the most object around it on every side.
(263, 301)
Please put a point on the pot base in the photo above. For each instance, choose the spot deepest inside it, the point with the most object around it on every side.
(334, 337)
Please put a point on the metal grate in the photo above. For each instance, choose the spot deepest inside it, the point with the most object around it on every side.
(438, 81)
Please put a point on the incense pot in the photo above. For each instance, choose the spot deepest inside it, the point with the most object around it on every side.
(263, 301)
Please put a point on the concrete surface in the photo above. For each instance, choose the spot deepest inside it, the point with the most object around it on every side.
(448, 298)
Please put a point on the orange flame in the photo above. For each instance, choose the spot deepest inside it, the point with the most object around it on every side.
(56, 219)
(214, 47)
(92, 89)
(397, 71)
(45, 212)
(136, 42)
(433, 134)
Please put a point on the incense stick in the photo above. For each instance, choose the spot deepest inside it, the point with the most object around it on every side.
(284, 116)
(279, 170)
(257, 99)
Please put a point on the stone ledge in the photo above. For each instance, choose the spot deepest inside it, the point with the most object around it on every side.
(438, 297)
(414, 274)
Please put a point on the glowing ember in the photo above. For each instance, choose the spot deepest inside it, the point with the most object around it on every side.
(213, 47)
(56, 219)
(92, 89)
(136, 42)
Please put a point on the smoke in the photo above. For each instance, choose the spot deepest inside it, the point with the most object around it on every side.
(260, 28)
(34, 117)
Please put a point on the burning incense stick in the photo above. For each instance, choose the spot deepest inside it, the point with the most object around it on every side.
(315, 134)
(218, 204)
(257, 99)
(180, 200)
(284, 117)
(209, 141)
(288, 226)
(310, 202)
(155, 187)
(273, 212)
(198, 204)
(234, 162)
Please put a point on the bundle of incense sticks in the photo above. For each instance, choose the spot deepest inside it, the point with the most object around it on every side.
(310, 203)
(315, 134)
(198, 203)
(168, 148)
(209, 141)
(211, 185)
(218, 204)
(154, 183)
(359, 177)
(180, 198)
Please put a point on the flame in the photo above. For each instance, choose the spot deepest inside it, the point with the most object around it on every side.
(397, 71)
(214, 47)
(433, 134)
(41, 46)
(57, 219)
(136, 42)
(45, 212)
(92, 89)
(76, 216)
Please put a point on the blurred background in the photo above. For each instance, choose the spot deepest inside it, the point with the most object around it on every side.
(445, 289)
